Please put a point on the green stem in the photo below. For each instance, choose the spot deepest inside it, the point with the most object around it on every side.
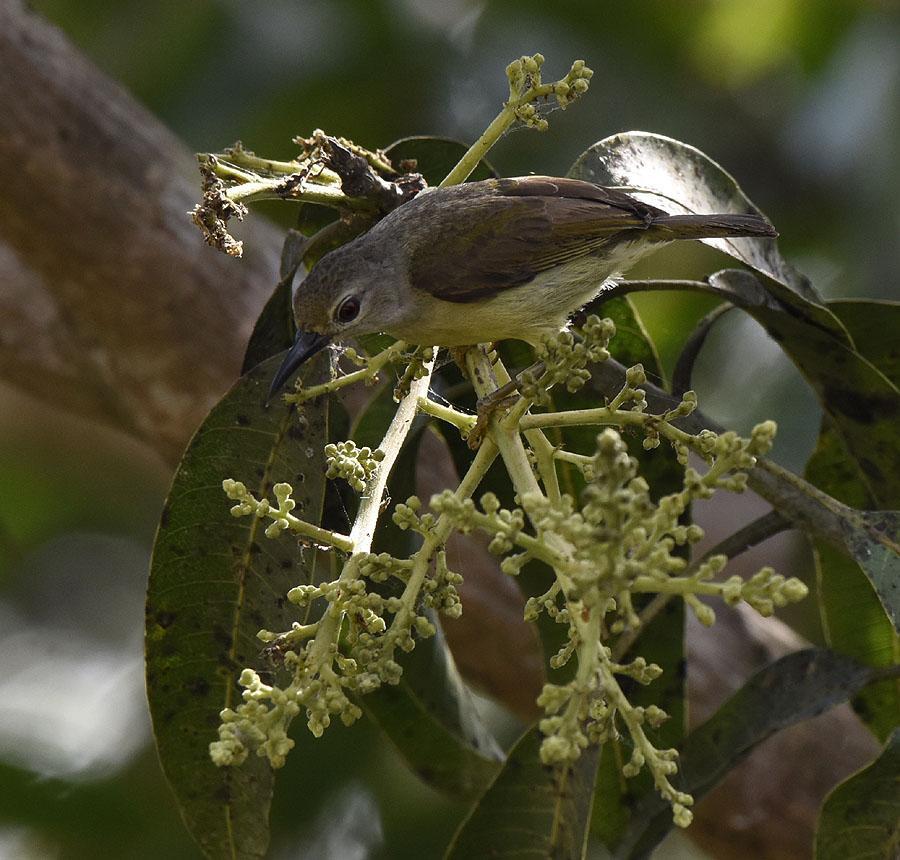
(477, 151)
(677, 585)
(544, 452)
(373, 366)
(463, 422)
(607, 416)
(305, 192)
(507, 440)
(367, 516)
(316, 534)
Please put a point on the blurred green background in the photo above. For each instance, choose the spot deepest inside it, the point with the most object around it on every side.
(799, 99)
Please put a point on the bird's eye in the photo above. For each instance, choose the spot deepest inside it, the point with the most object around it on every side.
(348, 310)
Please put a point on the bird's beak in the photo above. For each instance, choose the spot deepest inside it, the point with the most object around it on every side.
(306, 345)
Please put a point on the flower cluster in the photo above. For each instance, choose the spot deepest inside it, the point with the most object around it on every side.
(613, 545)
(417, 364)
(355, 465)
(565, 357)
(370, 611)
(525, 85)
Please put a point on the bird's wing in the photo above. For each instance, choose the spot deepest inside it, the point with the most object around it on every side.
(489, 242)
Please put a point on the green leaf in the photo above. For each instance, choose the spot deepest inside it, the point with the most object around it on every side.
(870, 326)
(530, 810)
(273, 331)
(853, 605)
(795, 688)
(863, 403)
(431, 719)
(861, 817)
(680, 178)
(215, 580)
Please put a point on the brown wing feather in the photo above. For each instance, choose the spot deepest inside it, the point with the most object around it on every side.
(500, 233)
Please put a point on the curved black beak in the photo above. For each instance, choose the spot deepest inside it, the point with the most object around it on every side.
(306, 345)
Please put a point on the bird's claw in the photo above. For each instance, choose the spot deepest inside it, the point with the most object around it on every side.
(486, 409)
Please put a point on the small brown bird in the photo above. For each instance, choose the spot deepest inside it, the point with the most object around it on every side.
(486, 261)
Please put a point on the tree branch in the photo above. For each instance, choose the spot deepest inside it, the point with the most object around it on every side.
(112, 306)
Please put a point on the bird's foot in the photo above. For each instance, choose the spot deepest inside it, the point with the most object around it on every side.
(486, 409)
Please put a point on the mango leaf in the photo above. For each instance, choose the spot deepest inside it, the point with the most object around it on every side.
(853, 618)
(215, 580)
(683, 371)
(870, 326)
(861, 817)
(274, 328)
(679, 178)
(530, 810)
(431, 719)
(862, 402)
(794, 688)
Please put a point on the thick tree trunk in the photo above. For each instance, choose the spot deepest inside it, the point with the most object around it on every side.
(111, 304)
(113, 307)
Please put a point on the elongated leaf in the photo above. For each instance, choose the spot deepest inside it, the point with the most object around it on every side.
(530, 810)
(861, 817)
(273, 331)
(683, 371)
(214, 582)
(861, 401)
(872, 325)
(680, 178)
(854, 620)
(431, 719)
(796, 687)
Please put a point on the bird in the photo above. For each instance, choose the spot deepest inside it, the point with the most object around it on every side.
(486, 261)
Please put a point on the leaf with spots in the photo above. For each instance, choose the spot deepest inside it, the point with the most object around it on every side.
(431, 719)
(858, 587)
(795, 688)
(215, 580)
(861, 817)
(530, 810)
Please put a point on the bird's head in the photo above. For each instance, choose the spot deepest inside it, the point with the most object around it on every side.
(347, 293)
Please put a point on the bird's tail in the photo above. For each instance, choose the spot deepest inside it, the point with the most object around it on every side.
(671, 227)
